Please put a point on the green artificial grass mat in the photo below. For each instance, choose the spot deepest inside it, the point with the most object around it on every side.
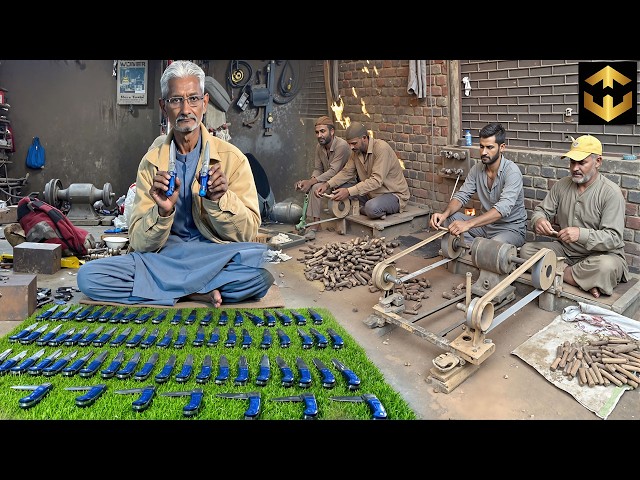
(59, 404)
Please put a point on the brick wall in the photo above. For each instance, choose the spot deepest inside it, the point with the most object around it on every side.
(528, 97)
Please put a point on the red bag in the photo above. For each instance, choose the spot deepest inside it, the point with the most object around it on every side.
(42, 222)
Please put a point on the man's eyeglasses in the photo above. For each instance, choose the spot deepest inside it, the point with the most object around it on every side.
(193, 101)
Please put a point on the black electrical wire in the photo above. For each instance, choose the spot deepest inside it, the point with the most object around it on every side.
(289, 83)
(237, 67)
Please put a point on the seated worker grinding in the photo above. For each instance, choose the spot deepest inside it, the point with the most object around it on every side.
(187, 246)
(589, 209)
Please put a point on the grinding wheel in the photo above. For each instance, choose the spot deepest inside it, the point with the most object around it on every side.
(544, 270)
(341, 208)
(486, 315)
(379, 273)
(450, 246)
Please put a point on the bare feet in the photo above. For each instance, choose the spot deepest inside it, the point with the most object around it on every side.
(212, 297)
(568, 278)
(595, 292)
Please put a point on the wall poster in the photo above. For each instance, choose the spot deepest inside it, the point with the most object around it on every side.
(132, 82)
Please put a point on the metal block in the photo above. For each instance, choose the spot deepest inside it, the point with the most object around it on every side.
(9, 214)
(32, 257)
(19, 294)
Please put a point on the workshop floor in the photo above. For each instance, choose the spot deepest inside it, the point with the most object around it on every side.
(504, 387)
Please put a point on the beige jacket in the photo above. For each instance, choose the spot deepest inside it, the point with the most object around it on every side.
(235, 217)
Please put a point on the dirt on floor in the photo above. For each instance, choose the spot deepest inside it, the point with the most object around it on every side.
(503, 387)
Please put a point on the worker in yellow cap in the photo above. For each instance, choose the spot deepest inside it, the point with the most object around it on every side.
(381, 186)
(588, 209)
(330, 156)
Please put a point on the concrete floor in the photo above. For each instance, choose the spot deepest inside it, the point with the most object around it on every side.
(504, 387)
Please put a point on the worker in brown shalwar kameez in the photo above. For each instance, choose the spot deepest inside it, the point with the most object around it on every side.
(589, 209)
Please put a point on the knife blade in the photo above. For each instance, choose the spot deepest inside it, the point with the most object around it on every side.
(130, 367)
(91, 369)
(204, 172)
(284, 318)
(11, 362)
(315, 316)
(93, 393)
(104, 338)
(328, 379)
(58, 315)
(243, 372)
(142, 374)
(39, 392)
(45, 362)
(205, 371)
(321, 340)
(114, 366)
(172, 170)
(33, 336)
(166, 371)
(71, 315)
(300, 320)
(47, 313)
(284, 339)
(26, 363)
(305, 373)
(264, 371)
(151, 339)
(307, 341)
(336, 340)
(136, 339)
(5, 354)
(223, 370)
(286, 372)
(254, 402)
(255, 319)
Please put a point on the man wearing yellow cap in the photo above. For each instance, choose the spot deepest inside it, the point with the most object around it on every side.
(589, 211)
(381, 186)
(330, 156)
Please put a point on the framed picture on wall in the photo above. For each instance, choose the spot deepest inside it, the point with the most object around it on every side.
(132, 82)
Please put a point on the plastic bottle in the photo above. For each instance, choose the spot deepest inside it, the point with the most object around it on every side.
(467, 138)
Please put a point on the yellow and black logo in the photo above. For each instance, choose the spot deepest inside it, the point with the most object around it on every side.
(608, 93)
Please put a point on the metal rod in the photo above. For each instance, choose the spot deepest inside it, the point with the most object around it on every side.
(513, 308)
(423, 270)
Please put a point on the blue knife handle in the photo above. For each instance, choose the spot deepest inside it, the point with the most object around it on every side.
(164, 374)
(223, 375)
(87, 340)
(7, 365)
(34, 397)
(199, 340)
(70, 342)
(321, 341)
(266, 341)
(305, 378)
(269, 319)
(307, 342)
(144, 400)
(17, 369)
(73, 368)
(246, 341)
(239, 319)
(353, 382)
(191, 319)
(254, 407)
(377, 409)
(285, 341)
(177, 318)
(336, 339)
(58, 340)
(184, 374)
(287, 376)
(37, 369)
(207, 319)
(172, 184)
(83, 314)
(224, 319)
(204, 178)
(143, 318)
(111, 370)
(45, 339)
(180, 341)
(150, 340)
(164, 343)
(300, 320)
(195, 401)
(310, 406)
(231, 340)
(328, 380)
(134, 341)
(213, 340)
(131, 316)
(263, 376)
(160, 317)
(144, 372)
(90, 369)
(315, 316)
(116, 342)
(127, 371)
(55, 368)
(243, 376)
(91, 396)
(204, 375)
(30, 338)
(19, 335)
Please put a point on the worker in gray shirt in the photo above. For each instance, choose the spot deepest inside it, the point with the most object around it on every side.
(498, 183)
